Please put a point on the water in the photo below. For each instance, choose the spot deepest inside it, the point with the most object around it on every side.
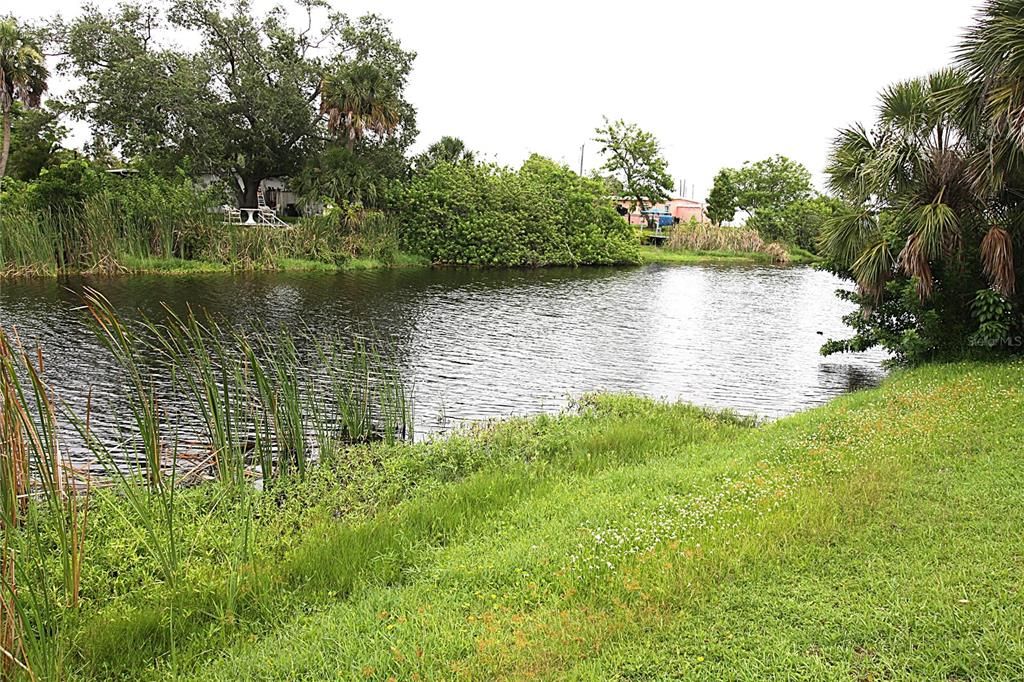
(484, 344)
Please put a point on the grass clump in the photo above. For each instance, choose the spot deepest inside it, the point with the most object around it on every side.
(695, 242)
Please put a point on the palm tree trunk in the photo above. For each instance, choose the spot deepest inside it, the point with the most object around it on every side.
(5, 151)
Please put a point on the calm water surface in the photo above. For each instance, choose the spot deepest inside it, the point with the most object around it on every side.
(483, 344)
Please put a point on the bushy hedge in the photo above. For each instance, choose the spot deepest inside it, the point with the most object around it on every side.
(542, 214)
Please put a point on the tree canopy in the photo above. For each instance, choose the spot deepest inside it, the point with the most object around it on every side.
(773, 183)
(722, 200)
(36, 135)
(252, 101)
(23, 77)
(634, 157)
(777, 196)
(446, 150)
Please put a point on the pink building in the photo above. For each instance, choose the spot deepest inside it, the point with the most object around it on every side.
(680, 208)
(685, 209)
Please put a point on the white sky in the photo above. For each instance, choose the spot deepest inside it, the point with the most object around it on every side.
(718, 82)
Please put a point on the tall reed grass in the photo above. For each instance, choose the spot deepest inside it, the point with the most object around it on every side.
(110, 233)
(270, 407)
(100, 235)
(43, 508)
(265, 404)
(694, 236)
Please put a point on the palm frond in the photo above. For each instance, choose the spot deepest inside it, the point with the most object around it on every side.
(914, 262)
(848, 170)
(935, 229)
(847, 232)
(904, 105)
(874, 267)
(997, 260)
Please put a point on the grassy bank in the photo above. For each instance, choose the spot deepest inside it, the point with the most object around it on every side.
(696, 243)
(655, 254)
(177, 266)
(877, 537)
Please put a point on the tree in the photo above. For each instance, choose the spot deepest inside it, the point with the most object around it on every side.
(766, 191)
(634, 157)
(247, 104)
(446, 150)
(803, 220)
(933, 204)
(36, 136)
(363, 176)
(613, 187)
(722, 200)
(770, 184)
(360, 100)
(775, 182)
(909, 195)
(23, 78)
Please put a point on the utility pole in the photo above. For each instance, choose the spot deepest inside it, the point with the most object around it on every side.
(582, 147)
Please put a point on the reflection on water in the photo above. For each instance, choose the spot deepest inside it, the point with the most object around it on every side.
(482, 344)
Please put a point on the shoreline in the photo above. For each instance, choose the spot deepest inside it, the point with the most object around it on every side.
(649, 255)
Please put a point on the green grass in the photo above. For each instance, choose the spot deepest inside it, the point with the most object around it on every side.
(177, 266)
(656, 254)
(169, 266)
(798, 255)
(878, 537)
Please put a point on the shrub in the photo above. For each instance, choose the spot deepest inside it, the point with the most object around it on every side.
(543, 214)
(65, 186)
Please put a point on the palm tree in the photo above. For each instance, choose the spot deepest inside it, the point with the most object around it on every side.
(913, 198)
(446, 150)
(991, 100)
(359, 101)
(23, 77)
(990, 105)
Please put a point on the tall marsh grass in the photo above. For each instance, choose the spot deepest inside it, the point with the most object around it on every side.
(44, 509)
(694, 236)
(110, 233)
(100, 235)
(270, 408)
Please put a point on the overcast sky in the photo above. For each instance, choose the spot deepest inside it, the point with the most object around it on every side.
(719, 82)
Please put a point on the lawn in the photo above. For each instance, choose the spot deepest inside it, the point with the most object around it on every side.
(878, 537)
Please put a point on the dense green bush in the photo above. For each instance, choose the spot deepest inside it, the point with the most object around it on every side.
(542, 214)
(64, 186)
